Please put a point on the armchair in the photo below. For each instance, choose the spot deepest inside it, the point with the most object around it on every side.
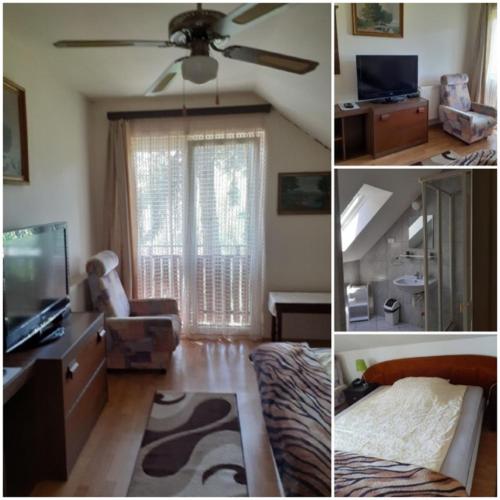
(142, 334)
(469, 121)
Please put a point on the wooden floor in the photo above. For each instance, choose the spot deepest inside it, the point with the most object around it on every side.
(105, 465)
(485, 484)
(439, 141)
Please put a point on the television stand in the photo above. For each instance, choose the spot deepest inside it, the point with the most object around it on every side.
(52, 402)
(378, 129)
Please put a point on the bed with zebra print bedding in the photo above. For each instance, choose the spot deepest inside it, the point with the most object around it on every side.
(295, 390)
(360, 476)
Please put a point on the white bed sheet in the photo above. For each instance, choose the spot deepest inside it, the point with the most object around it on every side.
(412, 421)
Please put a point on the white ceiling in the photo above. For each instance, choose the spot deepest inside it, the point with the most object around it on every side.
(302, 30)
(349, 342)
(404, 185)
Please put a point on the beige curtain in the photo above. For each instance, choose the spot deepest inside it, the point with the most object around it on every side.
(119, 216)
(483, 77)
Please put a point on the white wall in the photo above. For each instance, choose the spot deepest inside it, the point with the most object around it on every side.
(58, 161)
(485, 345)
(437, 33)
(297, 246)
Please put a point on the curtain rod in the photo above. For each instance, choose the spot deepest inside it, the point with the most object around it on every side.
(175, 113)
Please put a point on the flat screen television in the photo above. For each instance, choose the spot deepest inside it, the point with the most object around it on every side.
(35, 271)
(385, 77)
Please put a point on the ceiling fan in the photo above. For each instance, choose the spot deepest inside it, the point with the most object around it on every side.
(198, 31)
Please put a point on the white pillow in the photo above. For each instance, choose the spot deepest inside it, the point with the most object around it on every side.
(421, 382)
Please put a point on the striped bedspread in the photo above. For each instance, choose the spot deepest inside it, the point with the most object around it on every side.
(360, 476)
(295, 391)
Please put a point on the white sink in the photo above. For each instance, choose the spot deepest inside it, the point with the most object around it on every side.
(411, 284)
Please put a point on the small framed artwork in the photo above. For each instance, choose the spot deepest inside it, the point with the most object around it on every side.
(304, 193)
(378, 19)
(15, 134)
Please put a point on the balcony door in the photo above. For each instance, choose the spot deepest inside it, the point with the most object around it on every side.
(199, 205)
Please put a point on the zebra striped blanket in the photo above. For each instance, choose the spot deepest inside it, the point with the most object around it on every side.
(481, 157)
(359, 476)
(295, 392)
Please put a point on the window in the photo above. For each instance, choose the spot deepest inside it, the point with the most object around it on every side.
(199, 226)
(360, 211)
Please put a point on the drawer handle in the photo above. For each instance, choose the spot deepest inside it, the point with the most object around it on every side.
(385, 116)
(101, 334)
(421, 110)
(73, 366)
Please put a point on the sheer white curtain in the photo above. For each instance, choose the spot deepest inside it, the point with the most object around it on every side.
(200, 232)
(490, 92)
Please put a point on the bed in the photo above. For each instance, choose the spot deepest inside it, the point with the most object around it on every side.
(378, 474)
(295, 388)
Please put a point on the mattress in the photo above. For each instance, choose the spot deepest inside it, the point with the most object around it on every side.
(459, 461)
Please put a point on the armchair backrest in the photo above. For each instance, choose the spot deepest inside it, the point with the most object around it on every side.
(106, 289)
(454, 91)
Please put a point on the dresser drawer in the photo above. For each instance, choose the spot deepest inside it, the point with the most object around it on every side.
(80, 365)
(84, 415)
(397, 130)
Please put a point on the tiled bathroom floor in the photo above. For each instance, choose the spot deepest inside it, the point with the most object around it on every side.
(378, 324)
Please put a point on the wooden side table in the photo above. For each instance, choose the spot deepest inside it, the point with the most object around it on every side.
(295, 302)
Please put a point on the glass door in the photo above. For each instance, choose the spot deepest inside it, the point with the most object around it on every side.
(447, 265)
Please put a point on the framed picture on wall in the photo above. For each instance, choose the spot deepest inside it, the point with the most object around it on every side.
(378, 19)
(304, 193)
(15, 134)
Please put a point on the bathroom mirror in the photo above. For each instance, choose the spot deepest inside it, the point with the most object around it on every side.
(416, 232)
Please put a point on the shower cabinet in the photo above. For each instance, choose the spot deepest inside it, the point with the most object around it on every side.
(447, 205)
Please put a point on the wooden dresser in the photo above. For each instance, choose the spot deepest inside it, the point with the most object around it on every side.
(51, 406)
(379, 129)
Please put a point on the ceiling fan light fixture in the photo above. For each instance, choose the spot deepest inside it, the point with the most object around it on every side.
(199, 69)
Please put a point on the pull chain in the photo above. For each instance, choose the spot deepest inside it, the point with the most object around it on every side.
(184, 110)
(217, 101)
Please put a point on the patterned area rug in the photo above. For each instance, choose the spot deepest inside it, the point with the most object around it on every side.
(444, 158)
(191, 447)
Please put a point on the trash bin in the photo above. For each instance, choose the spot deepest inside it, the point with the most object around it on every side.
(391, 310)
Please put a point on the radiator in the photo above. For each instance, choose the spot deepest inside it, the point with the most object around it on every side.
(431, 93)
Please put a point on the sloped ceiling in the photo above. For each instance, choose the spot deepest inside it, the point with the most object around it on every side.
(405, 188)
(302, 30)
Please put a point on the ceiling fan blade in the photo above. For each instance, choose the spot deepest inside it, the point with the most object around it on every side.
(270, 59)
(244, 17)
(161, 83)
(112, 43)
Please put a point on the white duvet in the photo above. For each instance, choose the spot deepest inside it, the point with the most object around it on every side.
(412, 421)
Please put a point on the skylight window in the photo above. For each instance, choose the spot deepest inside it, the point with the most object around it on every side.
(360, 211)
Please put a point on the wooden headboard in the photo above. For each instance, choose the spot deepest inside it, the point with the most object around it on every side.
(467, 369)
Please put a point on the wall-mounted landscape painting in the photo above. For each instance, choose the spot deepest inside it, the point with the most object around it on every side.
(15, 134)
(378, 19)
(304, 193)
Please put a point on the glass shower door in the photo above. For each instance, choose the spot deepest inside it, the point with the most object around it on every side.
(446, 204)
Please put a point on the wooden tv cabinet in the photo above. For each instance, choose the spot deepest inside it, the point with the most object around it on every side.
(380, 129)
(53, 402)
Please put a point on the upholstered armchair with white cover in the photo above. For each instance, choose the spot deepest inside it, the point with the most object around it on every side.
(141, 334)
(469, 121)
